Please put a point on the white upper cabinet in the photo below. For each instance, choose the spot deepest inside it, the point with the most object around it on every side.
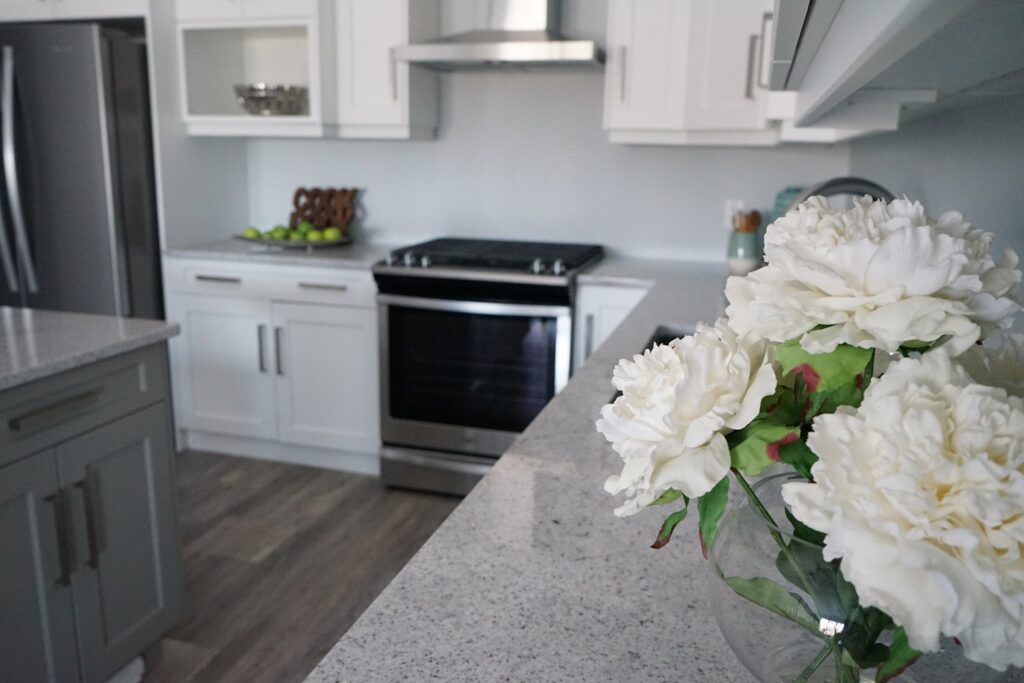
(46, 10)
(244, 9)
(688, 72)
(379, 97)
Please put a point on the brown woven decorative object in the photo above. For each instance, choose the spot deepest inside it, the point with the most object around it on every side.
(324, 207)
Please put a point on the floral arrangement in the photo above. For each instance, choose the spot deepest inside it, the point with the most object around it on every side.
(908, 479)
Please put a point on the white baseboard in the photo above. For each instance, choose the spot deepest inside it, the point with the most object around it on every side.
(131, 673)
(344, 461)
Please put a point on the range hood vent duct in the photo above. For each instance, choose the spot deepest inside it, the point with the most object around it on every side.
(511, 34)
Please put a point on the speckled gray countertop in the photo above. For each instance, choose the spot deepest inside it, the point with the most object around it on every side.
(35, 344)
(359, 255)
(532, 578)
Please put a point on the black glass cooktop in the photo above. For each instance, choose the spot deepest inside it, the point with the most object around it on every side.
(499, 254)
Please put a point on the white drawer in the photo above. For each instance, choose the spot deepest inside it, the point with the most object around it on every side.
(271, 282)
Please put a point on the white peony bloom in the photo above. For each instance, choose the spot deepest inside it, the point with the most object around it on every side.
(876, 276)
(677, 401)
(999, 366)
(920, 492)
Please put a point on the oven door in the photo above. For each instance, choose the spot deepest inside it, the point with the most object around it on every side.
(468, 376)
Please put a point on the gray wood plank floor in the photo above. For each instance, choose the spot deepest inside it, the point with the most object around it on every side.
(279, 561)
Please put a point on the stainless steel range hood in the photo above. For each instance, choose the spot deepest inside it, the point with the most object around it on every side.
(509, 33)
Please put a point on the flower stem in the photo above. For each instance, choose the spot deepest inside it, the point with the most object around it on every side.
(809, 670)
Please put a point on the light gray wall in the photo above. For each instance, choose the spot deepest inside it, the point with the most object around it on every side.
(524, 156)
(971, 160)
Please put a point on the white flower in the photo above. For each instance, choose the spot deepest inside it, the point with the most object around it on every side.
(920, 492)
(998, 366)
(677, 401)
(877, 275)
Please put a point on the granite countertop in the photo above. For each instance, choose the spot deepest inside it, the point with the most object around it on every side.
(359, 255)
(532, 578)
(35, 344)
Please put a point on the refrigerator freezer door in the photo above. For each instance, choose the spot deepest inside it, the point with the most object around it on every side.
(62, 127)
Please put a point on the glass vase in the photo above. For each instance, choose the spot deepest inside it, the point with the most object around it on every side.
(747, 559)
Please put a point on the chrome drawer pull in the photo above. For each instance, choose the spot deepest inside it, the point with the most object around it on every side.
(95, 523)
(54, 412)
(320, 285)
(65, 544)
(219, 278)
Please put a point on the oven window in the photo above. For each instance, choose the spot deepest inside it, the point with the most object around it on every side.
(484, 371)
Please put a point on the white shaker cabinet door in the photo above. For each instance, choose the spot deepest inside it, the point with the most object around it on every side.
(26, 10)
(645, 75)
(327, 376)
(728, 55)
(276, 9)
(599, 310)
(226, 365)
(373, 88)
(208, 9)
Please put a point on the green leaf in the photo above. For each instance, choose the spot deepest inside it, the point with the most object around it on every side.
(711, 507)
(860, 635)
(670, 524)
(669, 496)
(832, 370)
(804, 532)
(804, 566)
(756, 446)
(772, 596)
(797, 455)
(901, 655)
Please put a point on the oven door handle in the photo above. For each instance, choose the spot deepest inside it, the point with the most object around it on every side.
(476, 307)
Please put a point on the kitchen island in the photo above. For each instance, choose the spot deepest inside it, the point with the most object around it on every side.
(91, 564)
(532, 578)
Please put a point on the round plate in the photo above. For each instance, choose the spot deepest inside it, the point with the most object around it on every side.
(290, 244)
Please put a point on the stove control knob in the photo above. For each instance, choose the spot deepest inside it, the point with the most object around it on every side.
(409, 259)
(558, 267)
(392, 260)
(538, 266)
(425, 261)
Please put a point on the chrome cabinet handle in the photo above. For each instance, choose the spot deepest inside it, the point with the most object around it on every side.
(763, 45)
(261, 331)
(65, 543)
(54, 412)
(588, 336)
(218, 278)
(10, 160)
(278, 335)
(321, 285)
(394, 75)
(622, 73)
(95, 523)
(748, 90)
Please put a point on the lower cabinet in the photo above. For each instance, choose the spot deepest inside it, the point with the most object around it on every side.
(599, 310)
(90, 571)
(281, 371)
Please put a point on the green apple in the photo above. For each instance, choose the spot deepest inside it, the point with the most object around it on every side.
(296, 236)
(279, 232)
(304, 227)
(252, 233)
(314, 236)
(268, 235)
(332, 233)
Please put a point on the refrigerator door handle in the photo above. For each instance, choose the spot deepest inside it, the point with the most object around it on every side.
(6, 259)
(21, 242)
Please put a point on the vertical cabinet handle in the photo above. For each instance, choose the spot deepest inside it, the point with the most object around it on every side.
(95, 524)
(588, 336)
(278, 336)
(65, 543)
(393, 71)
(762, 46)
(622, 73)
(261, 334)
(748, 90)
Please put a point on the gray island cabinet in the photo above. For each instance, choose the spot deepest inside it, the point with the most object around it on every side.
(90, 571)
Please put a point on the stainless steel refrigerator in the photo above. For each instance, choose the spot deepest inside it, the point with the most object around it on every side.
(78, 228)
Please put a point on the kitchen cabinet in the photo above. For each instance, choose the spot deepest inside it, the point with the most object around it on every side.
(326, 369)
(277, 362)
(690, 72)
(37, 632)
(599, 310)
(91, 572)
(379, 97)
(48, 10)
(247, 9)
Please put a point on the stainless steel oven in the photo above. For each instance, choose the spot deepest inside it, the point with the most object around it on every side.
(469, 357)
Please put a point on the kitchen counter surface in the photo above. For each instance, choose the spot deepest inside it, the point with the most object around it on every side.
(532, 577)
(359, 255)
(35, 344)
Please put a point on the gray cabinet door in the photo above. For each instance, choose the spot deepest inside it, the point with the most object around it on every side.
(37, 631)
(127, 590)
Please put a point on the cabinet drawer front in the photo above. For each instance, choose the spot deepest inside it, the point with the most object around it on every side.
(270, 282)
(51, 410)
